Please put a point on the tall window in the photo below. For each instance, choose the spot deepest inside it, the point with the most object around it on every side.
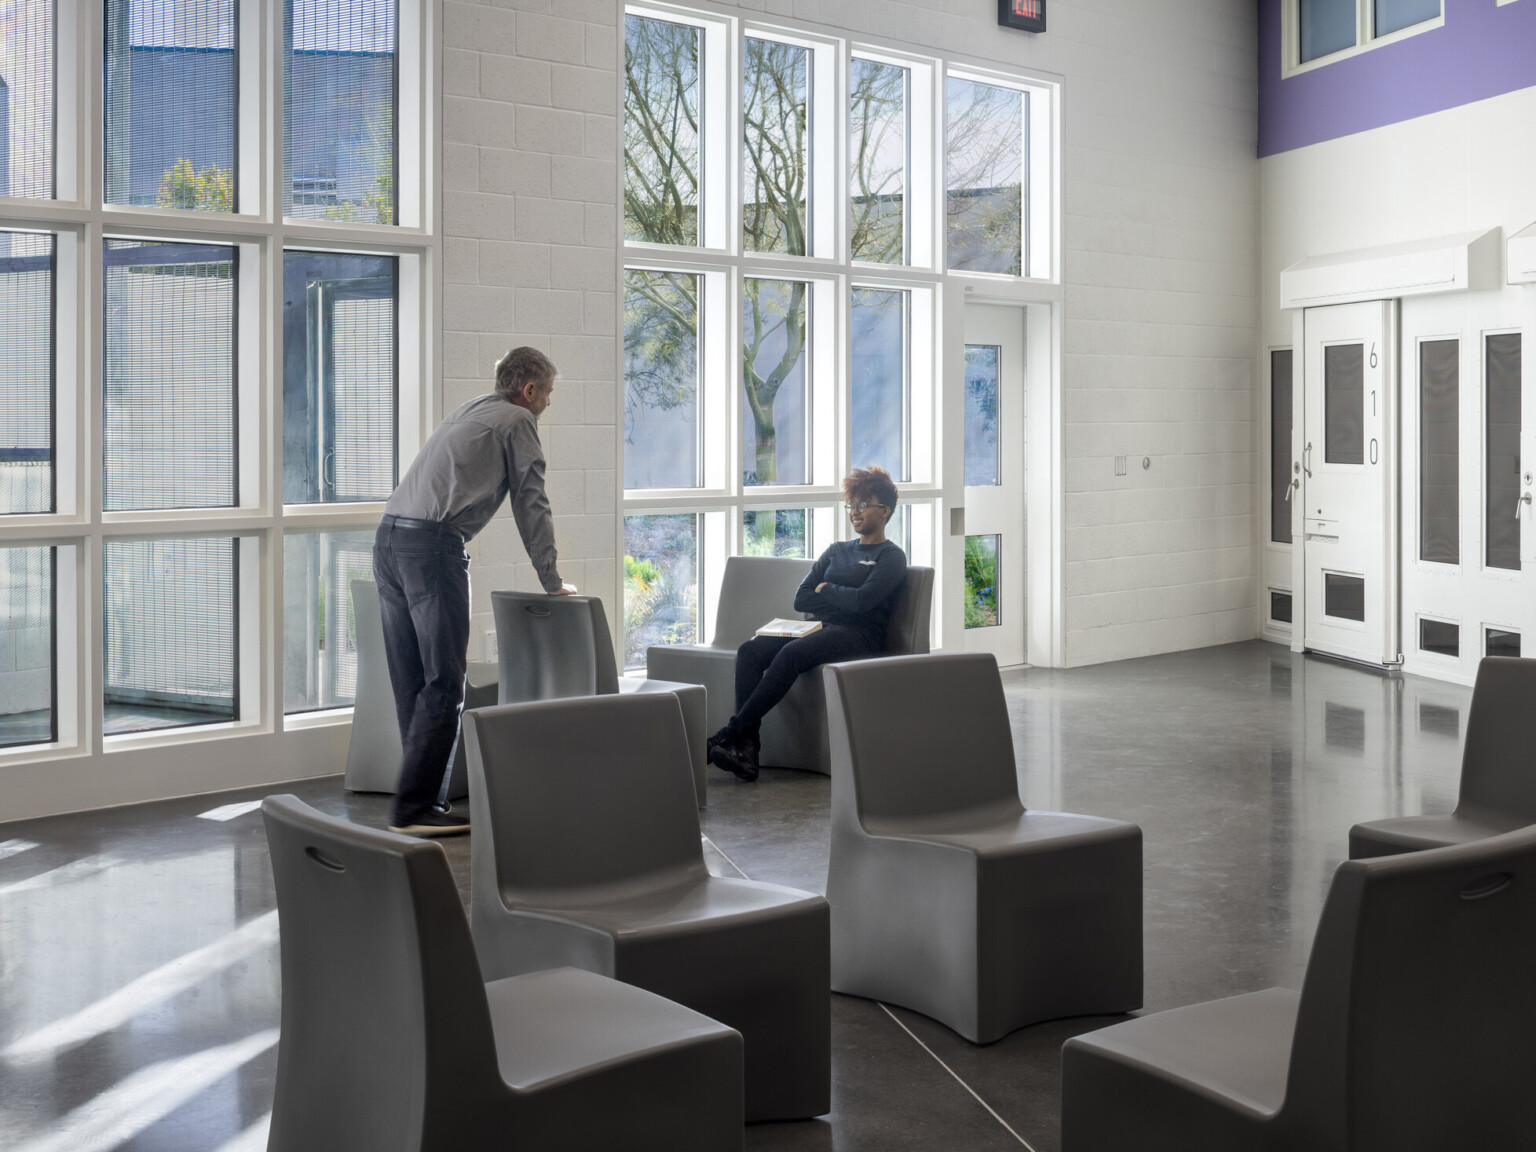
(783, 268)
(1321, 28)
(170, 95)
(205, 389)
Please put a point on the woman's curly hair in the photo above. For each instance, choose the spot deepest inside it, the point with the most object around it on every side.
(873, 483)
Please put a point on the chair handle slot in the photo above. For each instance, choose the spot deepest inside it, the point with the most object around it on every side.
(535, 610)
(329, 862)
(1489, 885)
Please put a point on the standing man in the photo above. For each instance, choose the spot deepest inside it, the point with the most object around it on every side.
(479, 454)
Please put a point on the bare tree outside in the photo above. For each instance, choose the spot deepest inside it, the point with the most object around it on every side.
(661, 131)
(877, 161)
(984, 162)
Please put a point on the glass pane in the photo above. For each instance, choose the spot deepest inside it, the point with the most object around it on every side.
(878, 397)
(1440, 637)
(661, 379)
(319, 634)
(1503, 446)
(984, 168)
(661, 583)
(776, 140)
(776, 532)
(1344, 404)
(1280, 417)
(775, 389)
(1440, 451)
(169, 396)
(1344, 597)
(169, 104)
(877, 161)
(339, 389)
(661, 131)
(982, 464)
(27, 706)
(169, 629)
(1501, 642)
(1326, 26)
(339, 110)
(1392, 15)
(981, 581)
(1280, 607)
(898, 529)
(26, 372)
(26, 98)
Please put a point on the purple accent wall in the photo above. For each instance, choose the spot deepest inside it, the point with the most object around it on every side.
(1482, 50)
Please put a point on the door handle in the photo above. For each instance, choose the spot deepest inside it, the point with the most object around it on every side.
(1291, 487)
(1525, 498)
(1306, 465)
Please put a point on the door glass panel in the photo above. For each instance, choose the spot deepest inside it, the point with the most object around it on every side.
(981, 458)
(1280, 607)
(1394, 15)
(1440, 637)
(1344, 597)
(1280, 416)
(1344, 404)
(775, 532)
(1501, 509)
(661, 585)
(774, 435)
(1439, 452)
(1500, 642)
(981, 599)
(1326, 26)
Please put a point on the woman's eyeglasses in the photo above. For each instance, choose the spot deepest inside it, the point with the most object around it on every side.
(862, 506)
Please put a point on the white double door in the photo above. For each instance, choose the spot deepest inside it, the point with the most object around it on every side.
(1347, 495)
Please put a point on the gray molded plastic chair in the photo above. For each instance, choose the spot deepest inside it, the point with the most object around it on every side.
(1415, 1028)
(947, 896)
(391, 1042)
(587, 852)
(553, 647)
(757, 589)
(1498, 770)
(373, 751)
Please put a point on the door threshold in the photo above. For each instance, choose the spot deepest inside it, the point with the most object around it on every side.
(1390, 671)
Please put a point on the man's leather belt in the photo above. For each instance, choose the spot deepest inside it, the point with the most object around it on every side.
(437, 526)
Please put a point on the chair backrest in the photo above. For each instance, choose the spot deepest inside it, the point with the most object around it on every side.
(574, 793)
(753, 591)
(1498, 764)
(919, 735)
(907, 633)
(386, 1034)
(373, 753)
(552, 647)
(1418, 1015)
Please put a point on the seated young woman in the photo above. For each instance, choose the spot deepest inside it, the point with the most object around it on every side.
(851, 589)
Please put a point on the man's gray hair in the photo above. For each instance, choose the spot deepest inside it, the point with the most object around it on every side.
(523, 366)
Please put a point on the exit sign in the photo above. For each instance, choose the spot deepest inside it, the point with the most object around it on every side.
(1026, 14)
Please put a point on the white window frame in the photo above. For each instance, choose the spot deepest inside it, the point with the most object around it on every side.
(934, 290)
(1365, 38)
(84, 768)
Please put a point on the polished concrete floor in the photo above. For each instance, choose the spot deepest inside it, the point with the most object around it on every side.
(138, 950)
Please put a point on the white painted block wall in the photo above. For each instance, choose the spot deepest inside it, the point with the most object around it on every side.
(1160, 250)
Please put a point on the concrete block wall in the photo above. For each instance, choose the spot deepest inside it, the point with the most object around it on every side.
(1159, 267)
(530, 233)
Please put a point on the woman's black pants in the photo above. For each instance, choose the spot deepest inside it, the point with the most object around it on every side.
(766, 668)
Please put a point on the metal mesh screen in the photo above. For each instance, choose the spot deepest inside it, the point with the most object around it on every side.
(169, 394)
(169, 626)
(319, 629)
(26, 98)
(27, 712)
(339, 109)
(169, 102)
(364, 351)
(26, 373)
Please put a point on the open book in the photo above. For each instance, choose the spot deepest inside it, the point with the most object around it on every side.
(791, 628)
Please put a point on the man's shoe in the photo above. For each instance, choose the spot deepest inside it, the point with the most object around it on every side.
(433, 823)
(736, 755)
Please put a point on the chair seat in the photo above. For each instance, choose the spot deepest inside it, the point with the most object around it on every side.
(714, 903)
(564, 1021)
(1235, 1051)
(1417, 833)
(992, 831)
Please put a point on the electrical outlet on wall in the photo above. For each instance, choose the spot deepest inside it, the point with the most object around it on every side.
(1119, 465)
(492, 651)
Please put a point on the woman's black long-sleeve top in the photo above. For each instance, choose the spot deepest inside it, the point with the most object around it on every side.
(861, 583)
